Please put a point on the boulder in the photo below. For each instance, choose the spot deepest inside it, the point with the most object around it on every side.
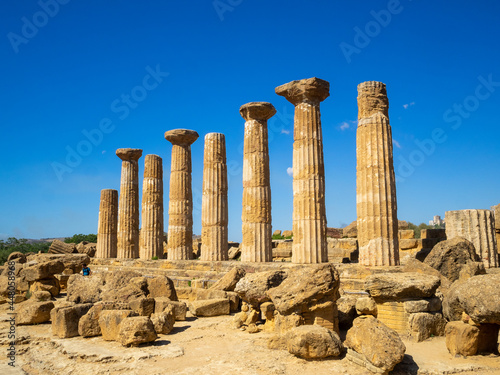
(284, 323)
(136, 330)
(346, 306)
(423, 325)
(277, 232)
(110, 320)
(88, 325)
(60, 247)
(375, 342)
(479, 297)
(229, 280)
(234, 252)
(88, 248)
(161, 286)
(50, 285)
(351, 231)
(287, 233)
(304, 287)
(253, 287)
(366, 306)
(144, 306)
(401, 285)
(65, 319)
(33, 312)
(461, 338)
(452, 309)
(17, 257)
(448, 257)
(164, 322)
(42, 270)
(423, 305)
(41, 296)
(313, 342)
(415, 265)
(179, 308)
(210, 307)
(85, 289)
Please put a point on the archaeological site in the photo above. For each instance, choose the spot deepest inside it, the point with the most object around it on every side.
(372, 297)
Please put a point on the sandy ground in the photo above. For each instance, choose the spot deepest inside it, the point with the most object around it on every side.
(207, 346)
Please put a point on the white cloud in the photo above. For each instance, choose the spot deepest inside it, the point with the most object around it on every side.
(344, 126)
(406, 106)
(284, 131)
(396, 143)
(289, 171)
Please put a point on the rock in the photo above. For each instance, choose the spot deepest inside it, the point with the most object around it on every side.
(123, 286)
(448, 257)
(253, 317)
(65, 320)
(85, 289)
(461, 338)
(136, 330)
(33, 312)
(424, 325)
(287, 233)
(366, 306)
(401, 285)
(229, 280)
(378, 344)
(452, 309)
(164, 322)
(253, 287)
(423, 305)
(415, 265)
(180, 308)
(41, 296)
(284, 323)
(277, 342)
(59, 247)
(17, 257)
(406, 234)
(234, 252)
(50, 285)
(346, 306)
(88, 248)
(210, 307)
(208, 294)
(42, 270)
(304, 287)
(88, 325)
(277, 232)
(351, 231)
(161, 286)
(253, 328)
(144, 306)
(408, 244)
(313, 342)
(234, 301)
(267, 311)
(479, 297)
(109, 322)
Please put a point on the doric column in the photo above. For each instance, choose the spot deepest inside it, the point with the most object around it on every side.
(376, 202)
(256, 245)
(214, 200)
(151, 237)
(496, 217)
(128, 210)
(180, 207)
(107, 227)
(477, 226)
(309, 212)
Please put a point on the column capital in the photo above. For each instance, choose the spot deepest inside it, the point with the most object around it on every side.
(130, 154)
(372, 98)
(181, 136)
(310, 90)
(257, 111)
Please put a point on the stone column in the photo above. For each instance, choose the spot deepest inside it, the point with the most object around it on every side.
(376, 203)
(214, 215)
(496, 215)
(477, 226)
(309, 212)
(256, 245)
(107, 227)
(151, 238)
(128, 209)
(180, 207)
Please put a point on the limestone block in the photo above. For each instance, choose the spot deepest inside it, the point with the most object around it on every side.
(407, 244)
(424, 325)
(65, 320)
(366, 306)
(229, 280)
(180, 308)
(406, 234)
(161, 286)
(164, 322)
(45, 270)
(210, 307)
(313, 342)
(109, 322)
(50, 285)
(33, 312)
(404, 285)
(461, 338)
(136, 330)
(144, 306)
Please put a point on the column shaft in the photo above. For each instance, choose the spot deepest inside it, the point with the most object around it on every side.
(107, 227)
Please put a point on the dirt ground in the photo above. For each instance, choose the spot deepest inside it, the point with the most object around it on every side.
(206, 346)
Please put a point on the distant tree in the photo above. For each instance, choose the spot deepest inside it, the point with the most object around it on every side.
(77, 238)
(13, 244)
(419, 228)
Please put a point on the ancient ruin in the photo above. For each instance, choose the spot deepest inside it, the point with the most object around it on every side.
(180, 207)
(375, 181)
(256, 213)
(128, 209)
(309, 211)
(107, 228)
(214, 215)
(151, 237)
(477, 226)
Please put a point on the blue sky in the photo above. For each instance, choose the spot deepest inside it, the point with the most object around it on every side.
(83, 78)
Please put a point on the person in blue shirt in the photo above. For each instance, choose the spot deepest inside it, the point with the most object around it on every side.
(86, 271)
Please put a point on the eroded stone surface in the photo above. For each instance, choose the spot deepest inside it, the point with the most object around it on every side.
(107, 228)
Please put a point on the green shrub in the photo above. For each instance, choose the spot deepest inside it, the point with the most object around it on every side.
(13, 244)
(77, 238)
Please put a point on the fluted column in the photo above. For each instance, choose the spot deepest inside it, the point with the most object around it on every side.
(309, 212)
(128, 210)
(151, 237)
(107, 227)
(496, 217)
(256, 245)
(477, 226)
(214, 215)
(376, 202)
(180, 207)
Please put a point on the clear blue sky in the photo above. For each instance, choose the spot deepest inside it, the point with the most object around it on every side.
(137, 69)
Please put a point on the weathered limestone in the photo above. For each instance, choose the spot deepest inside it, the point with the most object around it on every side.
(496, 214)
(309, 212)
(151, 238)
(256, 214)
(128, 209)
(214, 215)
(180, 207)
(107, 228)
(377, 221)
(477, 226)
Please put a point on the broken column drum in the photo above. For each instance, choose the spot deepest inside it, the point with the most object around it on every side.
(256, 245)
(376, 202)
(309, 212)
(107, 228)
(180, 207)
